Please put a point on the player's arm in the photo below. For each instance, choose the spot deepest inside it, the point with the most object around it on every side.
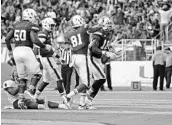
(94, 45)
(8, 38)
(92, 29)
(35, 39)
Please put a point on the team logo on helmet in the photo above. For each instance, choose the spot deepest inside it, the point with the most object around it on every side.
(48, 24)
(77, 21)
(30, 15)
(105, 22)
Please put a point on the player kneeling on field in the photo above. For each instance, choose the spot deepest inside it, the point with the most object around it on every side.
(12, 91)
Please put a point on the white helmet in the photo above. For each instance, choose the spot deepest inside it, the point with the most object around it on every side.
(105, 22)
(48, 24)
(77, 21)
(31, 15)
(9, 83)
(51, 15)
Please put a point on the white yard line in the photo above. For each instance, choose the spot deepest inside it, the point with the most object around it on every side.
(90, 111)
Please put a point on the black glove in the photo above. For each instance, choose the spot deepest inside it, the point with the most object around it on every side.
(104, 59)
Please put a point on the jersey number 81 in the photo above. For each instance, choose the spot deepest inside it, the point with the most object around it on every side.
(20, 35)
(76, 40)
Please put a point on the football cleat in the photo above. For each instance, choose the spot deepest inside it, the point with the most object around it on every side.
(63, 106)
(81, 107)
(90, 107)
(66, 101)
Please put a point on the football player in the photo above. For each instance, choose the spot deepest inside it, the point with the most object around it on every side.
(99, 55)
(25, 35)
(12, 90)
(78, 37)
(50, 67)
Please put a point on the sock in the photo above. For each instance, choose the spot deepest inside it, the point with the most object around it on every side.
(82, 99)
(35, 79)
(60, 87)
(72, 93)
(42, 86)
(41, 106)
(37, 94)
(77, 90)
(90, 91)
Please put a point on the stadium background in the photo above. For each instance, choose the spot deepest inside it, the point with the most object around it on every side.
(134, 22)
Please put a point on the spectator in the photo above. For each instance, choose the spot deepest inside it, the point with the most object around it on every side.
(168, 68)
(159, 62)
(164, 19)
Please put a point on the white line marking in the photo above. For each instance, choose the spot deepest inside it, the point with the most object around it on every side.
(89, 111)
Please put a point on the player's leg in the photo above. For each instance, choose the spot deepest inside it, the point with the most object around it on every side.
(47, 72)
(81, 67)
(56, 75)
(33, 67)
(33, 105)
(22, 72)
(55, 105)
(98, 72)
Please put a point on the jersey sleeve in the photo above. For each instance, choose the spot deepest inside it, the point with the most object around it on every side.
(42, 35)
(94, 47)
(34, 28)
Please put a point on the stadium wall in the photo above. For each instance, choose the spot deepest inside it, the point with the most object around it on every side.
(122, 72)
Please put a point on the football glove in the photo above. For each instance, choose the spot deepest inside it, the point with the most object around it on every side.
(104, 59)
(48, 47)
(110, 55)
(21, 104)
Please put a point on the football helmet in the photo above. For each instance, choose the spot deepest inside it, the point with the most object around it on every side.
(31, 15)
(77, 21)
(105, 23)
(48, 24)
(51, 15)
(9, 83)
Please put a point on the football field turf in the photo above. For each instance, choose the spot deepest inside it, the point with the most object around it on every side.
(113, 108)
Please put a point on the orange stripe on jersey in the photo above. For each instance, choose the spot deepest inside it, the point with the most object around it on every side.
(41, 35)
(35, 28)
(97, 33)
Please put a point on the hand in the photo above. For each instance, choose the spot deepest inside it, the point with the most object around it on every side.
(48, 47)
(21, 104)
(110, 55)
(10, 54)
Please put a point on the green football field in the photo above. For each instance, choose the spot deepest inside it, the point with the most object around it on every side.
(116, 107)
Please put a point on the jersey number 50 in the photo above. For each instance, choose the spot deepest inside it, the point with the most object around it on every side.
(20, 35)
(76, 40)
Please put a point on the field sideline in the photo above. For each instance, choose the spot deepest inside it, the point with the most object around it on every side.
(113, 108)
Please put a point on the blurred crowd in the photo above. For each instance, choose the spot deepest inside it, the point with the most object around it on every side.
(132, 19)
